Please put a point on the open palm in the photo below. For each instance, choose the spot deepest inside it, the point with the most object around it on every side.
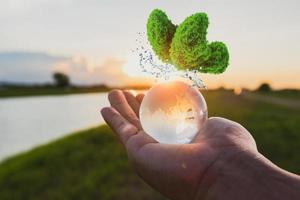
(179, 171)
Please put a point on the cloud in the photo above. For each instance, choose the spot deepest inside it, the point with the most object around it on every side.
(24, 67)
(13, 7)
(27, 67)
(109, 71)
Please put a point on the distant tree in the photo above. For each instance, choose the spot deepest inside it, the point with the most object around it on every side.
(61, 80)
(264, 87)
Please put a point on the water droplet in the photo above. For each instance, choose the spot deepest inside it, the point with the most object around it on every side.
(150, 64)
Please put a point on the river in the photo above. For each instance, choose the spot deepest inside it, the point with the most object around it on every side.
(30, 121)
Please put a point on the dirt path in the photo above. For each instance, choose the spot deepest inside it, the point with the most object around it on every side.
(289, 103)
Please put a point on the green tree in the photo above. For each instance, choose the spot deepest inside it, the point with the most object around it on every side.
(61, 80)
(264, 87)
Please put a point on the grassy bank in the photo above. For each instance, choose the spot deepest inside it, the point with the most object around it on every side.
(275, 128)
(92, 165)
(86, 165)
(293, 94)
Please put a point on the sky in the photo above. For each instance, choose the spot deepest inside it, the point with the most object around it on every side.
(91, 40)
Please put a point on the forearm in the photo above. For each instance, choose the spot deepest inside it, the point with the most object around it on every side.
(250, 176)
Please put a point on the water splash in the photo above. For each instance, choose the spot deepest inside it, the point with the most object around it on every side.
(162, 71)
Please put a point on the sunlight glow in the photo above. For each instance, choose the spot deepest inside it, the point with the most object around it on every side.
(132, 66)
(237, 91)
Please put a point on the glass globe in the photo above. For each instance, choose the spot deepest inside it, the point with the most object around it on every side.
(173, 112)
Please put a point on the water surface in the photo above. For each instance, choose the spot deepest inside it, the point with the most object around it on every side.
(29, 121)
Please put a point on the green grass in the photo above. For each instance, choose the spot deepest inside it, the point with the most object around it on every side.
(93, 165)
(287, 93)
(86, 165)
(275, 128)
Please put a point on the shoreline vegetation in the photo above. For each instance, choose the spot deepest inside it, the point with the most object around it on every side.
(61, 85)
(20, 90)
(42, 90)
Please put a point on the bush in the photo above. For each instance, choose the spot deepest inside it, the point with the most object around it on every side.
(186, 46)
(264, 87)
(61, 80)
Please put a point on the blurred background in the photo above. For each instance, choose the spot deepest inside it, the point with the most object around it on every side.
(59, 58)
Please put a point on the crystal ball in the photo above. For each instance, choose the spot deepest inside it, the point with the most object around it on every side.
(173, 112)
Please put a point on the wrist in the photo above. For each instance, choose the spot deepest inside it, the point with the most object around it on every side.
(247, 175)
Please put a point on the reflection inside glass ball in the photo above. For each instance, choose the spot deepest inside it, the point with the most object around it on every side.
(173, 112)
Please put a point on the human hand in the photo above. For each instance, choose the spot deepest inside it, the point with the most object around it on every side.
(181, 171)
